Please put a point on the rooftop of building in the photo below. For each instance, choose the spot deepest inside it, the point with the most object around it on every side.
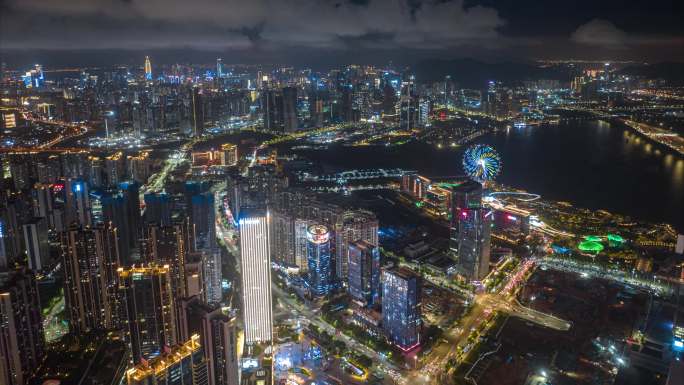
(161, 363)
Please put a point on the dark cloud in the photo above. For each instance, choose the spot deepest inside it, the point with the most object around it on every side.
(600, 33)
(277, 22)
(520, 28)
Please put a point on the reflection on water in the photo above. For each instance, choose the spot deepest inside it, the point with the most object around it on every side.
(596, 165)
(593, 164)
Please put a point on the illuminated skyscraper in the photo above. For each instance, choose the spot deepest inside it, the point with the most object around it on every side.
(356, 225)
(318, 256)
(463, 197)
(408, 105)
(364, 272)
(255, 258)
(474, 228)
(401, 307)
(150, 309)
(22, 344)
(90, 257)
(78, 208)
(182, 365)
(197, 111)
(148, 68)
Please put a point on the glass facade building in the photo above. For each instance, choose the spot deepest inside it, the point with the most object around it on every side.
(401, 307)
(318, 257)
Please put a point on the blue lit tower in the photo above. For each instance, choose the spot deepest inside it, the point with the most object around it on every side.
(401, 307)
(318, 256)
(78, 208)
(364, 272)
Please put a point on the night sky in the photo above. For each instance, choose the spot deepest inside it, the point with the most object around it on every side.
(363, 30)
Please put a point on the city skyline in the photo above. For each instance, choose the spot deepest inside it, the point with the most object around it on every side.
(341, 192)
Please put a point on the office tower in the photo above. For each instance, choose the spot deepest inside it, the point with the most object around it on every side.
(318, 256)
(150, 309)
(22, 345)
(148, 68)
(219, 68)
(37, 244)
(271, 106)
(389, 100)
(255, 262)
(364, 272)
(463, 197)
(290, 109)
(474, 228)
(203, 221)
(408, 105)
(90, 258)
(157, 209)
(218, 335)
(183, 364)
(198, 115)
(357, 225)
(401, 307)
(77, 203)
(424, 112)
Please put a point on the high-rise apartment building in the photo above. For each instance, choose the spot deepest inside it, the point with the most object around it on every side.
(22, 345)
(149, 304)
(90, 258)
